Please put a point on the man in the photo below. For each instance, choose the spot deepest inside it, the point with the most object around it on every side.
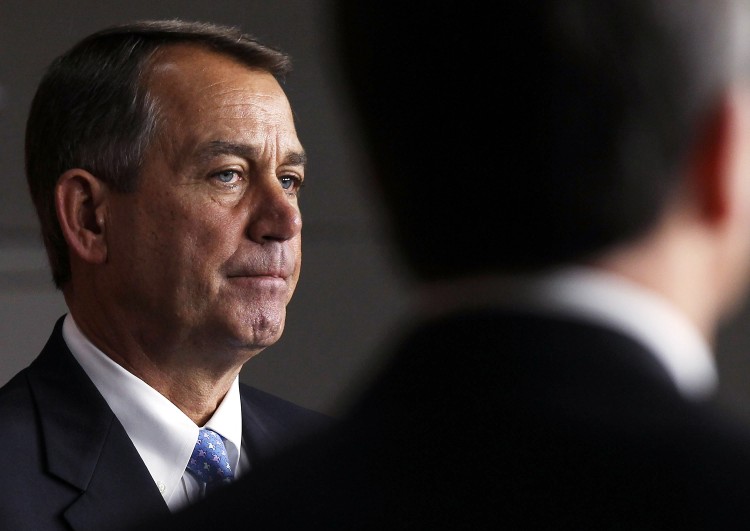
(164, 164)
(570, 183)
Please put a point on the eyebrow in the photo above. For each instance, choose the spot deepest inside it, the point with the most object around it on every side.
(222, 147)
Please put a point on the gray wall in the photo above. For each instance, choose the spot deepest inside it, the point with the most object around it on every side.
(351, 293)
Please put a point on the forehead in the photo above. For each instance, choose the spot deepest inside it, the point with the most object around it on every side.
(206, 96)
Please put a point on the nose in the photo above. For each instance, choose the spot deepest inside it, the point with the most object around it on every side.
(274, 214)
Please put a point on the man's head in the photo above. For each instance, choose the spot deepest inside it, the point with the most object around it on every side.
(165, 167)
(94, 109)
(548, 133)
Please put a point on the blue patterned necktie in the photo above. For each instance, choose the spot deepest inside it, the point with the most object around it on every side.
(209, 461)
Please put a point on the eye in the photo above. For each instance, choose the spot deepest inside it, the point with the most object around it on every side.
(290, 182)
(228, 176)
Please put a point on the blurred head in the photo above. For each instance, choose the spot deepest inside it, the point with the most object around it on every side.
(94, 109)
(547, 133)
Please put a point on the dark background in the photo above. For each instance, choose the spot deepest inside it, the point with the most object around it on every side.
(352, 292)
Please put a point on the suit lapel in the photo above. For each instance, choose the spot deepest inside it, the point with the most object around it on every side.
(86, 446)
(257, 431)
(121, 490)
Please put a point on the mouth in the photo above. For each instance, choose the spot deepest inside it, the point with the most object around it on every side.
(259, 277)
(262, 268)
(278, 275)
(260, 283)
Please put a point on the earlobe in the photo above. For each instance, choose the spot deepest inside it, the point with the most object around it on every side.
(81, 203)
(720, 157)
(711, 161)
(730, 186)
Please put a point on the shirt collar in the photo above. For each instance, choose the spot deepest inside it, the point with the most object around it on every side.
(163, 435)
(609, 300)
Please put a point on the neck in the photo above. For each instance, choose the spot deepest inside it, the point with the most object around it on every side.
(181, 371)
(680, 269)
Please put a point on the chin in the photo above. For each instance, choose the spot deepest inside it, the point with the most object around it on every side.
(260, 332)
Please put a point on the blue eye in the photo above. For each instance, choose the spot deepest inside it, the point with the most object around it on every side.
(290, 182)
(228, 176)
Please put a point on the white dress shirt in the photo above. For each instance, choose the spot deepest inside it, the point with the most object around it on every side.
(163, 435)
(603, 298)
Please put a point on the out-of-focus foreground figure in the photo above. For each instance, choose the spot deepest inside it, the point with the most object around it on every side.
(569, 182)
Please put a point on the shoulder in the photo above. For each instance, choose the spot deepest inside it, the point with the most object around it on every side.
(16, 402)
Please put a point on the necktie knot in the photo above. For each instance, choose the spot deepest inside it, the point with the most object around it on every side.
(209, 462)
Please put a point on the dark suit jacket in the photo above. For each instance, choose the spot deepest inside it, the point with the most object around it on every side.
(68, 463)
(499, 420)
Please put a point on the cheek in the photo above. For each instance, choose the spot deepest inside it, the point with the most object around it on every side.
(174, 244)
(297, 250)
(211, 237)
(295, 246)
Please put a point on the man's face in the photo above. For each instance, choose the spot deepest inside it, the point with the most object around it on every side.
(205, 254)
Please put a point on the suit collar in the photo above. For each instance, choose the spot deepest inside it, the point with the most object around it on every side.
(85, 445)
(598, 297)
(258, 429)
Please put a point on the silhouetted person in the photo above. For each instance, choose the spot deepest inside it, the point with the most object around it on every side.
(569, 182)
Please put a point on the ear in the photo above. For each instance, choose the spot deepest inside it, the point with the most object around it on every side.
(718, 160)
(81, 203)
